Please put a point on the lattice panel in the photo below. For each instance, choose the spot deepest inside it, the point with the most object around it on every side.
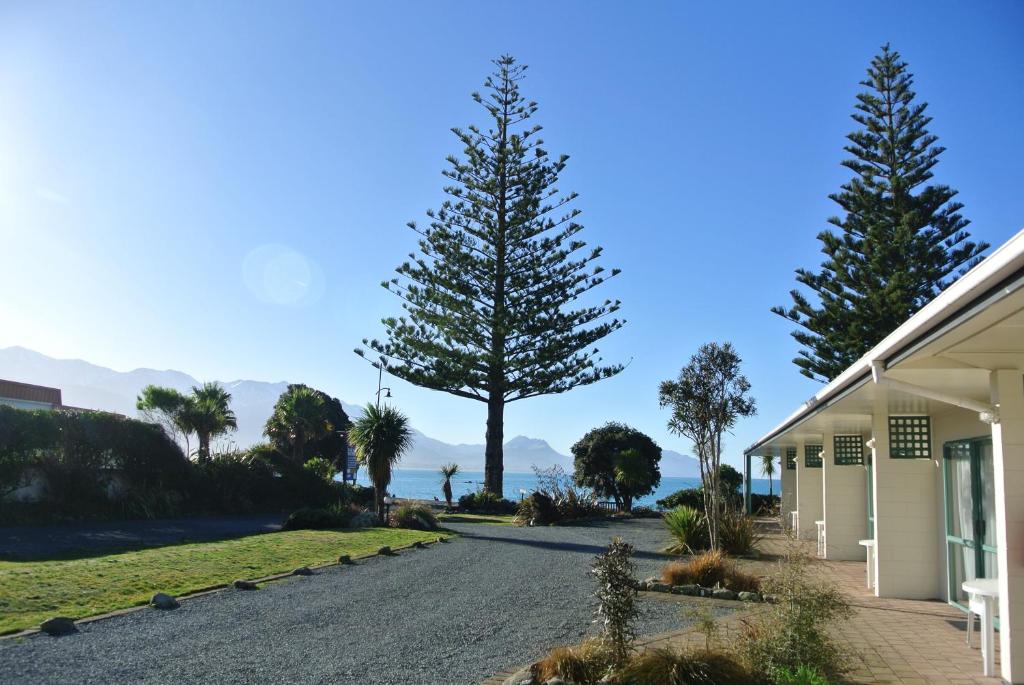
(910, 437)
(791, 458)
(812, 456)
(849, 449)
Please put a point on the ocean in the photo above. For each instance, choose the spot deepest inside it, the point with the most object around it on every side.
(426, 484)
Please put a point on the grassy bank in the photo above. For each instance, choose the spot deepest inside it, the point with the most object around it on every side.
(491, 519)
(32, 591)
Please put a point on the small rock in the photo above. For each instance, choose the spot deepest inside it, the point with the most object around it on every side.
(771, 599)
(523, 677)
(554, 681)
(651, 580)
(243, 585)
(418, 544)
(345, 559)
(442, 539)
(659, 587)
(689, 590)
(722, 593)
(302, 571)
(642, 585)
(58, 625)
(162, 600)
(749, 597)
(384, 551)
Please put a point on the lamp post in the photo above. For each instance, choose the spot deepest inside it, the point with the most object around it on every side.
(380, 378)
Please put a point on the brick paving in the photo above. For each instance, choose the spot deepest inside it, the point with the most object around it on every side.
(893, 641)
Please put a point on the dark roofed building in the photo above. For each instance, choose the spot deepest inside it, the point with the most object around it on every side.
(28, 396)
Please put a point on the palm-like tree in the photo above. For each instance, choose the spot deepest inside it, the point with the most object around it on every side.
(381, 436)
(300, 417)
(208, 413)
(768, 469)
(447, 471)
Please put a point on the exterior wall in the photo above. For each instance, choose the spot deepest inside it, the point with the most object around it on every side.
(787, 485)
(844, 499)
(1008, 458)
(907, 553)
(808, 489)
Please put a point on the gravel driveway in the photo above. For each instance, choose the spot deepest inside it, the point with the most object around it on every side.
(453, 613)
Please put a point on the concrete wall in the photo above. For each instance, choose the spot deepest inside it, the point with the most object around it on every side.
(907, 558)
(844, 501)
(787, 483)
(809, 492)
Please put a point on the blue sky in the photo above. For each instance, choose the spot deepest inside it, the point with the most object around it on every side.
(202, 187)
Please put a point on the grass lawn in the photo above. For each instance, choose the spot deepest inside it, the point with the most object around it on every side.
(491, 519)
(32, 591)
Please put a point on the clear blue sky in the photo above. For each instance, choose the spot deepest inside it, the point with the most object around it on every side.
(155, 158)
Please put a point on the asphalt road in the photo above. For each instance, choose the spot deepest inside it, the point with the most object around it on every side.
(457, 612)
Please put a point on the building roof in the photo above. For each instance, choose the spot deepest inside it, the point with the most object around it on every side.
(951, 344)
(30, 393)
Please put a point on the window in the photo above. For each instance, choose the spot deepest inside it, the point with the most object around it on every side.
(812, 456)
(791, 458)
(849, 449)
(910, 437)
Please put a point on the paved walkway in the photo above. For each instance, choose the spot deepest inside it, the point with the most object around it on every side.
(45, 542)
(893, 641)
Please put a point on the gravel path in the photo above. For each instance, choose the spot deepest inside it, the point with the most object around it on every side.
(453, 613)
(45, 542)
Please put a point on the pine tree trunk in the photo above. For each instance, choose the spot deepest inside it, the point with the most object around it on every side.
(493, 462)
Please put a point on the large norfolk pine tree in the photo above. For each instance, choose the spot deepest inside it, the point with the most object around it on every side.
(900, 242)
(490, 297)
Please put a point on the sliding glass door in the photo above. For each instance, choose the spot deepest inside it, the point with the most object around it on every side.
(970, 514)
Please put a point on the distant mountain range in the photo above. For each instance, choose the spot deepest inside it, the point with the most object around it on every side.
(95, 387)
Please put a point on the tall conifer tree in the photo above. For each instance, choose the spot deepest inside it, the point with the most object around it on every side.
(900, 242)
(490, 298)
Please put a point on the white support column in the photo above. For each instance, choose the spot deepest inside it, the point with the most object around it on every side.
(844, 502)
(787, 490)
(1008, 461)
(908, 563)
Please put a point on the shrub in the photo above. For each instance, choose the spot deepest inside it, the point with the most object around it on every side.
(616, 596)
(321, 468)
(805, 675)
(737, 532)
(618, 462)
(793, 631)
(645, 513)
(318, 519)
(710, 569)
(482, 502)
(415, 516)
(699, 667)
(689, 528)
(765, 505)
(587, 663)
(360, 496)
(364, 519)
(688, 497)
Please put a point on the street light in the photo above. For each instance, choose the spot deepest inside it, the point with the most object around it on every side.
(380, 377)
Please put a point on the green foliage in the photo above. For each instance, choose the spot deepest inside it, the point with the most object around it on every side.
(687, 497)
(689, 529)
(489, 297)
(483, 502)
(707, 399)
(617, 461)
(321, 468)
(325, 518)
(414, 516)
(805, 675)
(899, 242)
(205, 412)
(730, 480)
(557, 500)
(616, 596)
(309, 423)
(737, 533)
(381, 435)
(645, 513)
(793, 631)
(663, 666)
(447, 472)
(585, 664)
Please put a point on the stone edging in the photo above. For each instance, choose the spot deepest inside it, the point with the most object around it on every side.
(654, 585)
(220, 587)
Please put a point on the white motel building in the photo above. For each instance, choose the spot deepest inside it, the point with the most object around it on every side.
(912, 460)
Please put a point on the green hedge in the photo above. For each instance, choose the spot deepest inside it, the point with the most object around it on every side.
(96, 465)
